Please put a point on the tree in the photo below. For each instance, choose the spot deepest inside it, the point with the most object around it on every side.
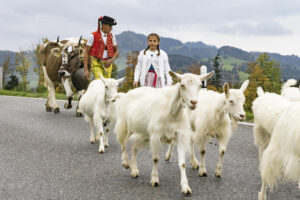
(12, 83)
(216, 79)
(265, 73)
(39, 69)
(271, 68)
(132, 59)
(195, 68)
(23, 65)
(114, 72)
(6, 69)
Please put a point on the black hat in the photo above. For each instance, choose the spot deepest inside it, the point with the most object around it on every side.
(108, 20)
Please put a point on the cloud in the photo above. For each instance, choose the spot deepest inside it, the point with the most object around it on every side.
(265, 28)
(26, 22)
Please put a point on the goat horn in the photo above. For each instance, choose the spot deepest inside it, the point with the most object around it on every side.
(57, 40)
(79, 41)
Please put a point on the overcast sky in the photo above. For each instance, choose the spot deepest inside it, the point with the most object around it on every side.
(252, 25)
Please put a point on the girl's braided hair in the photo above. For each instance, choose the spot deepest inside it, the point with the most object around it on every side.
(158, 38)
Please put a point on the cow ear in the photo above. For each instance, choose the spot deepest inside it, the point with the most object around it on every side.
(55, 52)
(81, 52)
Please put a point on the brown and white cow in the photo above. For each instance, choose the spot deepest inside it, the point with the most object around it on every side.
(61, 63)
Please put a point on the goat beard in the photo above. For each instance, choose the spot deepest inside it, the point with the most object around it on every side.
(234, 122)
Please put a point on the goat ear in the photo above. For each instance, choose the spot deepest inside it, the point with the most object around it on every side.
(226, 89)
(118, 96)
(244, 85)
(175, 77)
(259, 91)
(55, 52)
(120, 80)
(206, 76)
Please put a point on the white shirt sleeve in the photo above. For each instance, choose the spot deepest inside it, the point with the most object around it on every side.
(114, 40)
(90, 41)
(167, 68)
(138, 67)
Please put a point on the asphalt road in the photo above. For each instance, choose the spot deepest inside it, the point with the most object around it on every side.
(49, 156)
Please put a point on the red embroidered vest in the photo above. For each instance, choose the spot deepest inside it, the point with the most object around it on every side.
(98, 47)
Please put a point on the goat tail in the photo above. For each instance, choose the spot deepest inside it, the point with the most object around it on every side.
(121, 131)
(270, 167)
(288, 84)
(259, 91)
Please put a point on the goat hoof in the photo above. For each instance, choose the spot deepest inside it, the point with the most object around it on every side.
(203, 174)
(154, 181)
(187, 191)
(78, 114)
(195, 166)
(56, 110)
(67, 106)
(167, 158)
(135, 173)
(48, 109)
(218, 175)
(101, 151)
(106, 145)
(126, 166)
(155, 184)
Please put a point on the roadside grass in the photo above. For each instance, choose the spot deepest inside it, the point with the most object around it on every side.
(249, 115)
(32, 94)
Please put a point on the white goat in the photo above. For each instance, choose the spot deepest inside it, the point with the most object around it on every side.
(291, 93)
(212, 119)
(96, 104)
(281, 159)
(158, 115)
(267, 108)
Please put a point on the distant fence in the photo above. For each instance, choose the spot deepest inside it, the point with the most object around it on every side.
(1, 77)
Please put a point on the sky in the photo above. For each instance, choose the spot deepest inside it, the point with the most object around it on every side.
(252, 25)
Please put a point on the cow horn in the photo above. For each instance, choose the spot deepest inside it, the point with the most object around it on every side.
(79, 41)
(57, 40)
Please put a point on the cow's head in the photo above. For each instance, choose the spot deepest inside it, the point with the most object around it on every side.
(70, 58)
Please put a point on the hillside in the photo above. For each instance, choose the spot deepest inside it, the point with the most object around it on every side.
(234, 60)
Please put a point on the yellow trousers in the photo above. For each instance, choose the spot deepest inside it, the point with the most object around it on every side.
(97, 68)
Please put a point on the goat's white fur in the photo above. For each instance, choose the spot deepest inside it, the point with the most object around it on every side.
(291, 93)
(281, 158)
(96, 104)
(158, 115)
(267, 108)
(212, 118)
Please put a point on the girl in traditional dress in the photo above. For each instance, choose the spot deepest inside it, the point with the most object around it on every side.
(153, 67)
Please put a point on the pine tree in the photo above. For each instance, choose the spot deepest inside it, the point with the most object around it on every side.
(216, 79)
(12, 83)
